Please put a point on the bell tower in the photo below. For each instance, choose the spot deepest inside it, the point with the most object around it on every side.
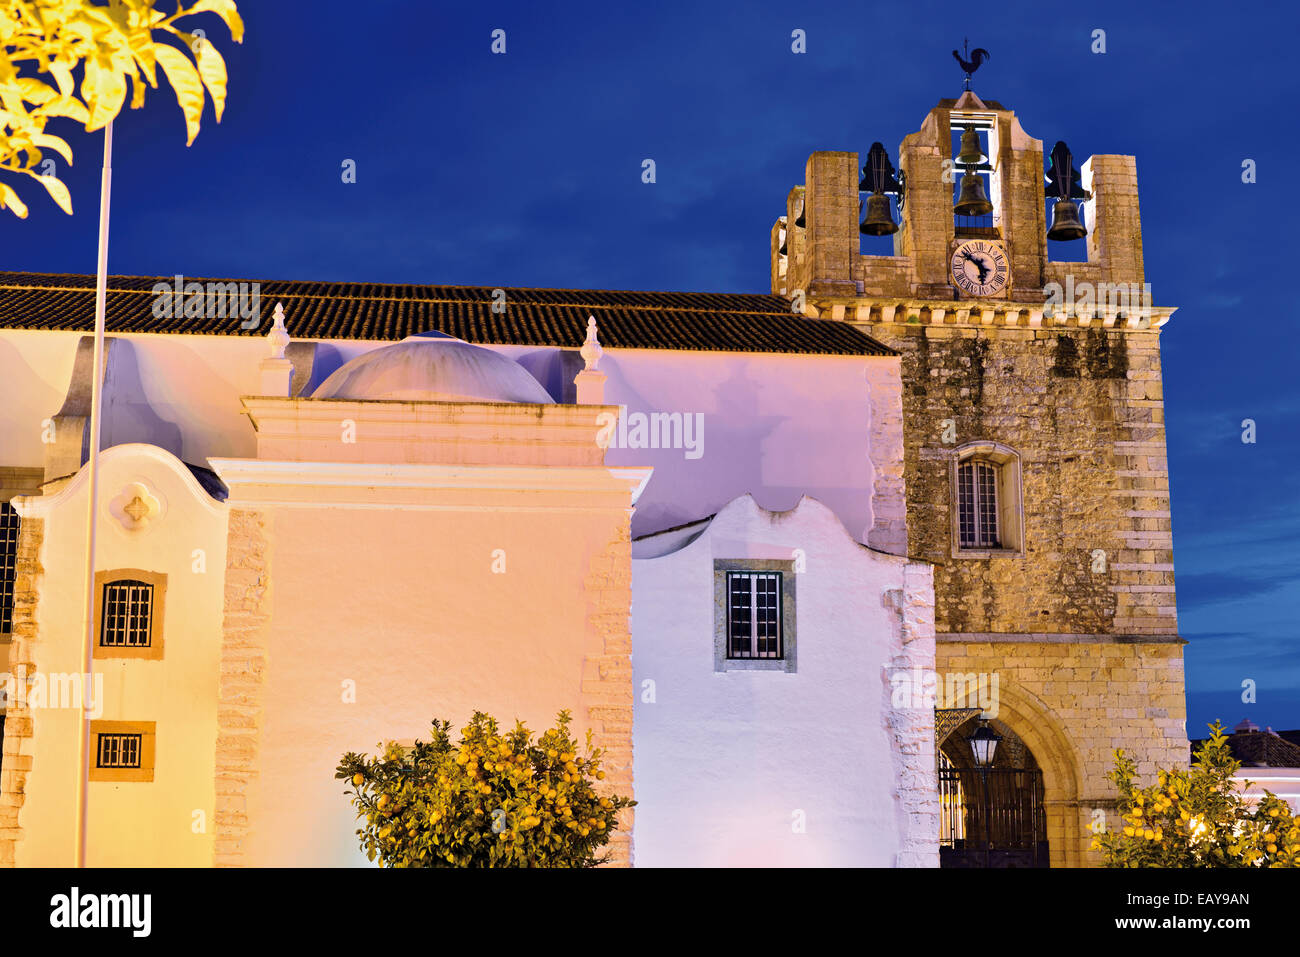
(1035, 465)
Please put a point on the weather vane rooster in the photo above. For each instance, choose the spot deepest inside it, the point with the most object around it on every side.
(971, 62)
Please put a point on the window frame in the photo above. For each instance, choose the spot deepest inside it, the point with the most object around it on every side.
(158, 582)
(755, 615)
(1009, 507)
(147, 730)
(723, 569)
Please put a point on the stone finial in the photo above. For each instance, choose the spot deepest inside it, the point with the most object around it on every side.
(590, 382)
(278, 337)
(591, 350)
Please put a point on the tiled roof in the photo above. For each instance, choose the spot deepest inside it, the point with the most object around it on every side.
(710, 322)
(1260, 749)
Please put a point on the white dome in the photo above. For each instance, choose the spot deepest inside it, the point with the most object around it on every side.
(433, 368)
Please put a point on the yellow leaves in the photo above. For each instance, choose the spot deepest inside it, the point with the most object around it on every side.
(185, 81)
(114, 44)
(67, 106)
(227, 11)
(58, 192)
(9, 200)
(63, 76)
(103, 90)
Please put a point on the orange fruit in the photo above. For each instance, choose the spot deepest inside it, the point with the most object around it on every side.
(360, 779)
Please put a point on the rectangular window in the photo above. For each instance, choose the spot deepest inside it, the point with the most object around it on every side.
(977, 505)
(122, 751)
(754, 615)
(128, 615)
(8, 564)
(118, 751)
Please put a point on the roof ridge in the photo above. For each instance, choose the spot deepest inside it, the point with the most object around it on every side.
(561, 304)
(337, 282)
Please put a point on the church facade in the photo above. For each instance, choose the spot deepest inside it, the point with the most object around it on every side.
(748, 540)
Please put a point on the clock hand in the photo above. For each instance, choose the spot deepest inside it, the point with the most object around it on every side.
(979, 263)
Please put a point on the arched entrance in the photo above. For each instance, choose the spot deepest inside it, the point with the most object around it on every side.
(994, 817)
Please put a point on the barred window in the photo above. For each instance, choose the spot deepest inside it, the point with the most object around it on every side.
(977, 504)
(754, 615)
(8, 564)
(118, 751)
(128, 615)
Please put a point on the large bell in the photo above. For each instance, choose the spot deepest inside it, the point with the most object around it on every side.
(970, 153)
(1065, 221)
(879, 221)
(972, 201)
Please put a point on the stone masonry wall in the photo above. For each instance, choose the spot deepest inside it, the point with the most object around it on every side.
(18, 727)
(243, 675)
(607, 679)
(913, 728)
(1083, 408)
(1099, 696)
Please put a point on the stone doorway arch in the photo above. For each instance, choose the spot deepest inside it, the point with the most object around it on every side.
(1038, 744)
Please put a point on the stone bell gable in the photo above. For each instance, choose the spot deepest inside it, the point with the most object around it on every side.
(1053, 381)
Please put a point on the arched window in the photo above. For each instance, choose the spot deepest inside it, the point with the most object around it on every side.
(987, 515)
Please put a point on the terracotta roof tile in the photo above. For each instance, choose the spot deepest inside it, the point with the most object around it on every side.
(711, 322)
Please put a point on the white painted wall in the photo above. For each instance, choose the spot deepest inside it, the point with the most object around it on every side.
(775, 426)
(132, 824)
(1283, 782)
(725, 761)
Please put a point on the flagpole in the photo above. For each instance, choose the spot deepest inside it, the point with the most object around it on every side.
(96, 398)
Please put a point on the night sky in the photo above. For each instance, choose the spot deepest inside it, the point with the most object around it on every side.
(524, 169)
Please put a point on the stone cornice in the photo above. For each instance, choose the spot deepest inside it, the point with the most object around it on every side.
(868, 311)
(258, 482)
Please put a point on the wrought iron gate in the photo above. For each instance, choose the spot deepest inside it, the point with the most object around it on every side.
(1003, 826)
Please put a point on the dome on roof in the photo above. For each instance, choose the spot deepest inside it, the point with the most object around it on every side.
(433, 368)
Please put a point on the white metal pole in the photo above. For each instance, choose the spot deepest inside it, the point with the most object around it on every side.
(96, 397)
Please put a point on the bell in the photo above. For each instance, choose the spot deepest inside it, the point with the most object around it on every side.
(879, 222)
(972, 201)
(970, 154)
(800, 222)
(782, 250)
(1065, 221)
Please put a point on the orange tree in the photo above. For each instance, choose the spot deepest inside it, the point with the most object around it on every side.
(1198, 818)
(493, 800)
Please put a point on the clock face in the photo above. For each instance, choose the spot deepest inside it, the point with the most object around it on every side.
(979, 267)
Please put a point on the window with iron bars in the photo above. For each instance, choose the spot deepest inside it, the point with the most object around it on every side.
(8, 564)
(754, 615)
(118, 751)
(977, 504)
(128, 615)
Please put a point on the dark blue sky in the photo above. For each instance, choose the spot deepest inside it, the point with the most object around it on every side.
(524, 170)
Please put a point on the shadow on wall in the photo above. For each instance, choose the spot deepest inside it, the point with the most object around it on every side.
(555, 369)
(33, 395)
(128, 415)
(731, 460)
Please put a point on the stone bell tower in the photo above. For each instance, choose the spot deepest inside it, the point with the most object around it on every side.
(1035, 464)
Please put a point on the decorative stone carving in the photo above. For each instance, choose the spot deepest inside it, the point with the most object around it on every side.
(135, 507)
